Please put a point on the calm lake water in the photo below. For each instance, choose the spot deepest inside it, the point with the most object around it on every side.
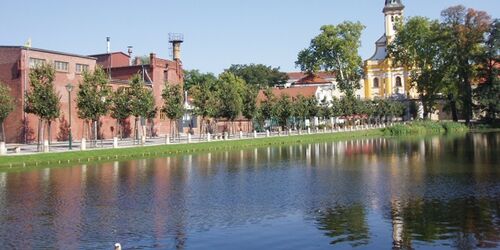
(366, 194)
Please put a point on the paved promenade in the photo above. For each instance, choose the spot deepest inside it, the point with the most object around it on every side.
(57, 146)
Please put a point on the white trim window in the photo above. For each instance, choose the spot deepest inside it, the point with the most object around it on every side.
(61, 66)
(36, 62)
(80, 68)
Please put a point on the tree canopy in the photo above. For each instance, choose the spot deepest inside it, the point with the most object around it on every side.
(465, 31)
(6, 102)
(419, 47)
(335, 50)
(42, 99)
(259, 75)
(173, 98)
(230, 100)
(6, 106)
(196, 78)
(94, 95)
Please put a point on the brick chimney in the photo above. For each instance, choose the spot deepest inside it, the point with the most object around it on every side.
(152, 59)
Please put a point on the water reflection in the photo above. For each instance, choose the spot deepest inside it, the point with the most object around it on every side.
(345, 224)
(376, 193)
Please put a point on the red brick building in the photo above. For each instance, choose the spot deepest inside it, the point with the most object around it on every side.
(15, 64)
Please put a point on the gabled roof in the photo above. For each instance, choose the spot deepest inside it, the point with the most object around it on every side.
(380, 49)
(294, 76)
(311, 79)
(291, 92)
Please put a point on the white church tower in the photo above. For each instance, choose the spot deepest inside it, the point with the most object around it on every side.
(382, 78)
(393, 12)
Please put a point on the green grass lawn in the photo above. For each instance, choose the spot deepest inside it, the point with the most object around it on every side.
(101, 155)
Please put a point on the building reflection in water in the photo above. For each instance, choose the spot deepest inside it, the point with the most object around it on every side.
(418, 191)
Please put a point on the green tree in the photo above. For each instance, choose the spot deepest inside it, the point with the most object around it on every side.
(120, 110)
(259, 75)
(173, 104)
(336, 50)
(94, 97)
(196, 78)
(42, 99)
(282, 110)
(266, 107)
(325, 110)
(229, 94)
(204, 101)
(142, 102)
(464, 31)
(418, 46)
(301, 110)
(250, 102)
(6, 106)
(308, 61)
(313, 108)
(487, 93)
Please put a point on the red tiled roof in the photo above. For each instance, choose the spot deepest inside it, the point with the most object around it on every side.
(300, 75)
(312, 79)
(291, 92)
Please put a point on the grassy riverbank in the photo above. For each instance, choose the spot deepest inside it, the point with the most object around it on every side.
(426, 128)
(102, 155)
(76, 157)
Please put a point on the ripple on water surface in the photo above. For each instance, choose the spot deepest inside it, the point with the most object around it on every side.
(369, 193)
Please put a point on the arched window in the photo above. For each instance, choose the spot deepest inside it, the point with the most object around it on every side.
(375, 82)
(398, 82)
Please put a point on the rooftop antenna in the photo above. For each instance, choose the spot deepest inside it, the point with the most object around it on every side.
(176, 39)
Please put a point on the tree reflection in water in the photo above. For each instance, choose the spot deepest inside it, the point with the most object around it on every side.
(345, 224)
(463, 223)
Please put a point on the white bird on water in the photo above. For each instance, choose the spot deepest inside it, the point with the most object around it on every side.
(118, 246)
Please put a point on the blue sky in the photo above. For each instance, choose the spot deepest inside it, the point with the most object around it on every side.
(217, 33)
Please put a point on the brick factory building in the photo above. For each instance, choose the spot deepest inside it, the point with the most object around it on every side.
(15, 64)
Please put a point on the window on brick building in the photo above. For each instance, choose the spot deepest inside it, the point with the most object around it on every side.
(36, 62)
(61, 66)
(165, 75)
(80, 68)
(375, 83)
(398, 82)
(163, 116)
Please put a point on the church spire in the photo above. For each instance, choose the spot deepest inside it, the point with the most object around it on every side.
(393, 11)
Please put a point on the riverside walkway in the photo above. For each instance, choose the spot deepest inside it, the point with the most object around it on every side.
(55, 147)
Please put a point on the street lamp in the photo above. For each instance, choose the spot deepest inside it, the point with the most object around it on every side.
(69, 88)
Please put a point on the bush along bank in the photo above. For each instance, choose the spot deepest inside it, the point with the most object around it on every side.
(426, 128)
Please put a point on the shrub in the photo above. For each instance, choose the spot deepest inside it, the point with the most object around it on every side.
(426, 127)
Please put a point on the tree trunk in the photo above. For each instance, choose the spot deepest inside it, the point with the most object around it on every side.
(201, 127)
(39, 133)
(42, 129)
(49, 132)
(151, 129)
(468, 101)
(171, 132)
(136, 131)
(84, 130)
(3, 133)
(95, 133)
(453, 107)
